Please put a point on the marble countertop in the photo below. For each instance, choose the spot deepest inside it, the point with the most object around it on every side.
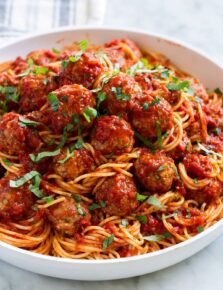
(198, 22)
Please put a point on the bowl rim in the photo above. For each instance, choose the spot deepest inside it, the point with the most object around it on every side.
(162, 37)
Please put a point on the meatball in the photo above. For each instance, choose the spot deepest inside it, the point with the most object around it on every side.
(119, 194)
(72, 106)
(197, 165)
(83, 72)
(15, 136)
(42, 57)
(146, 82)
(155, 172)
(207, 194)
(112, 134)
(149, 114)
(15, 203)
(68, 216)
(79, 163)
(33, 90)
(120, 91)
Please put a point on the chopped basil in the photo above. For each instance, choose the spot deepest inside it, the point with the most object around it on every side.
(45, 81)
(102, 203)
(169, 216)
(198, 100)
(76, 197)
(161, 168)
(196, 180)
(141, 197)
(88, 113)
(64, 63)
(178, 86)
(190, 91)
(7, 162)
(200, 229)
(157, 238)
(34, 188)
(75, 118)
(124, 223)
(209, 152)
(54, 102)
(119, 95)
(105, 79)
(80, 210)
(41, 155)
(218, 91)
(55, 50)
(21, 181)
(142, 219)
(188, 214)
(152, 200)
(216, 131)
(146, 106)
(94, 206)
(27, 71)
(159, 135)
(64, 98)
(83, 46)
(101, 97)
(41, 70)
(165, 74)
(48, 199)
(146, 142)
(77, 145)
(107, 242)
(23, 122)
(68, 156)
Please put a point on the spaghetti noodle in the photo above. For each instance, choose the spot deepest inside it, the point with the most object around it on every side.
(106, 152)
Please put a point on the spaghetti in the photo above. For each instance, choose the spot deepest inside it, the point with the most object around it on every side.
(106, 152)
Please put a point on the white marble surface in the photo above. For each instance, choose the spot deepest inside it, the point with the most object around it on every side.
(200, 23)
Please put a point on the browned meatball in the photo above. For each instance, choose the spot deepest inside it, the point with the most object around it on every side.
(112, 134)
(197, 165)
(155, 171)
(119, 194)
(150, 114)
(84, 71)
(120, 91)
(70, 104)
(15, 203)
(33, 90)
(68, 217)
(207, 194)
(15, 136)
(79, 163)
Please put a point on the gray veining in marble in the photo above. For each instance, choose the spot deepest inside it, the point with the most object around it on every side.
(200, 23)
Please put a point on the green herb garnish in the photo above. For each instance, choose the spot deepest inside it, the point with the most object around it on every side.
(178, 86)
(142, 219)
(41, 155)
(119, 95)
(146, 106)
(152, 200)
(107, 242)
(21, 181)
(54, 102)
(88, 113)
(146, 142)
(23, 122)
(141, 197)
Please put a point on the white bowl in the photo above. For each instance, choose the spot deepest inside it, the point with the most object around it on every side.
(188, 59)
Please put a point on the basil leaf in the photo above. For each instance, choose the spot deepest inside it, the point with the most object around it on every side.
(157, 238)
(165, 74)
(26, 122)
(124, 223)
(7, 162)
(107, 242)
(64, 63)
(159, 135)
(48, 199)
(169, 216)
(146, 142)
(141, 197)
(142, 219)
(41, 70)
(76, 197)
(178, 86)
(94, 206)
(152, 200)
(146, 106)
(198, 100)
(34, 188)
(55, 50)
(68, 156)
(88, 113)
(218, 91)
(161, 168)
(21, 181)
(54, 102)
(80, 210)
(119, 95)
(101, 97)
(209, 152)
(200, 229)
(41, 155)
